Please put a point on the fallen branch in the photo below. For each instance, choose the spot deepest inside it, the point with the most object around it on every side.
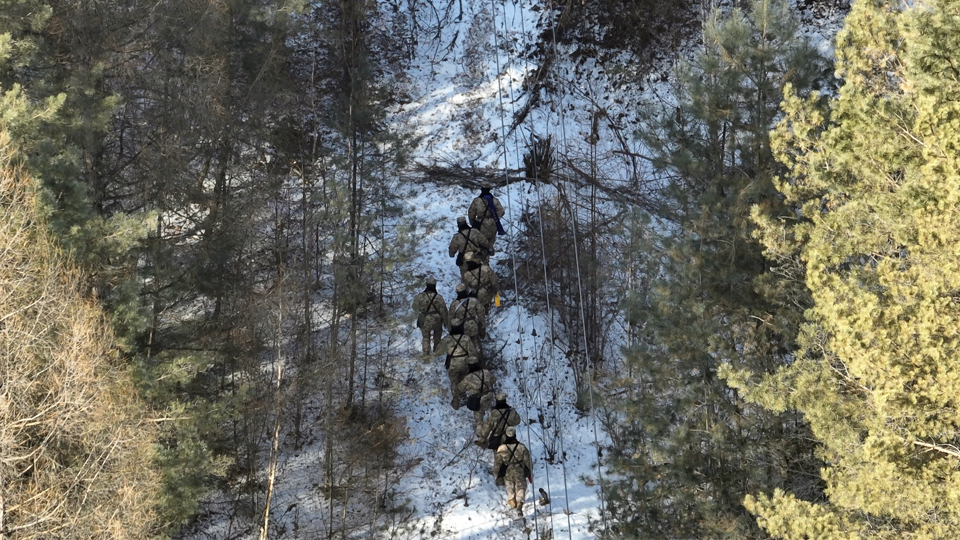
(949, 449)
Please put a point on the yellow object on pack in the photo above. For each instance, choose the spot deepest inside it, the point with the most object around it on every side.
(496, 300)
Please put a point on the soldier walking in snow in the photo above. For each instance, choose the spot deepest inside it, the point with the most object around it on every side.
(485, 213)
(513, 468)
(458, 366)
(458, 338)
(458, 348)
(478, 385)
(471, 310)
(500, 418)
(462, 293)
(469, 240)
(431, 314)
(482, 279)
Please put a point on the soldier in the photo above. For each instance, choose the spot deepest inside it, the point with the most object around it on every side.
(462, 293)
(482, 279)
(500, 418)
(431, 314)
(470, 309)
(513, 468)
(485, 213)
(457, 338)
(469, 240)
(458, 366)
(478, 385)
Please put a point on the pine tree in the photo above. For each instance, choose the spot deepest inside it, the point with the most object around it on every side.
(692, 448)
(875, 175)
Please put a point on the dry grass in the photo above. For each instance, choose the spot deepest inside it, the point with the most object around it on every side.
(74, 447)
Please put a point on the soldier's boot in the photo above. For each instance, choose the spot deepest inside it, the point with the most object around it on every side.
(425, 344)
(455, 402)
(500, 481)
(511, 503)
(519, 506)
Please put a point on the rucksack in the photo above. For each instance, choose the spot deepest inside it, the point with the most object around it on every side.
(473, 402)
(494, 441)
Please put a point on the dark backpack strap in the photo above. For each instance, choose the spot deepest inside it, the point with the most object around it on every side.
(509, 461)
(471, 241)
(501, 424)
(430, 307)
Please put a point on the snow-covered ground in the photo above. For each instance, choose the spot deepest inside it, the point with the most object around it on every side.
(453, 487)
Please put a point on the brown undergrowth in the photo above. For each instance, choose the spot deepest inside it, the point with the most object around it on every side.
(75, 444)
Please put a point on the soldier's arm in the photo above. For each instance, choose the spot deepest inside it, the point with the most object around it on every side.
(476, 210)
(498, 206)
(416, 304)
(513, 419)
(454, 247)
(444, 314)
(494, 283)
(472, 348)
(491, 380)
(484, 242)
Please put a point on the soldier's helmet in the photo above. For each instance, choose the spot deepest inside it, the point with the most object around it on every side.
(501, 397)
(473, 360)
(486, 185)
(461, 288)
(510, 431)
(431, 281)
(461, 220)
(469, 256)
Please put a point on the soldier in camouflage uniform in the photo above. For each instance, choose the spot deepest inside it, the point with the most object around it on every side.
(482, 279)
(500, 418)
(478, 384)
(513, 468)
(482, 217)
(458, 366)
(458, 348)
(458, 338)
(462, 293)
(431, 314)
(469, 240)
(470, 310)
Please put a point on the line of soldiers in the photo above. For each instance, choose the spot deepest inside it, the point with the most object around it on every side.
(465, 320)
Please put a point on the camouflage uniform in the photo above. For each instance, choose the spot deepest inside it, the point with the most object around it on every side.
(482, 279)
(458, 365)
(471, 310)
(512, 464)
(479, 382)
(463, 292)
(481, 217)
(500, 418)
(457, 338)
(431, 314)
(469, 240)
